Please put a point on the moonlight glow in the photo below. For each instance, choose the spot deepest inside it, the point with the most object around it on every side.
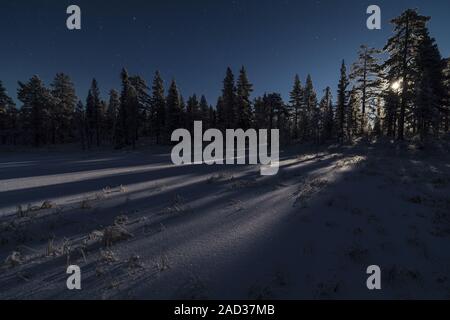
(396, 85)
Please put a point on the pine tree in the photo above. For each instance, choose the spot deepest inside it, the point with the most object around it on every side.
(158, 107)
(112, 115)
(212, 117)
(430, 91)
(297, 105)
(143, 106)
(282, 115)
(36, 100)
(90, 119)
(342, 98)
(401, 65)
(80, 123)
(365, 73)
(353, 118)
(192, 112)
(261, 113)
(205, 113)
(65, 99)
(128, 113)
(174, 109)
(182, 112)
(309, 124)
(316, 125)
(8, 114)
(243, 102)
(229, 100)
(272, 113)
(391, 108)
(327, 115)
(446, 118)
(221, 114)
(94, 115)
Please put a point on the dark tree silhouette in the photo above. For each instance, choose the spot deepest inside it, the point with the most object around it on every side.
(402, 48)
(297, 107)
(342, 99)
(243, 104)
(406, 95)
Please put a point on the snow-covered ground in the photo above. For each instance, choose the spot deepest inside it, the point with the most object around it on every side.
(140, 227)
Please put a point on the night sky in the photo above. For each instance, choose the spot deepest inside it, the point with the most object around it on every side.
(195, 40)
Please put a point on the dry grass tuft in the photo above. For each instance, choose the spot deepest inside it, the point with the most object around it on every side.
(115, 234)
(108, 256)
(13, 260)
(47, 205)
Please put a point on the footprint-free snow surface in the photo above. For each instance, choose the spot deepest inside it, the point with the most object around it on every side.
(141, 228)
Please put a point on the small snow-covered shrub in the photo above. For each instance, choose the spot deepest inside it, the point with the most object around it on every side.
(134, 262)
(47, 205)
(121, 220)
(14, 259)
(162, 263)
(114, 234)
(178, 205)
(108, 256)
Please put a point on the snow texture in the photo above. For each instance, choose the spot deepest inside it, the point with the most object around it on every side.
(141, 228)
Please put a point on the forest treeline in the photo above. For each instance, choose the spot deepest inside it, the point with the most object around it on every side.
(401, 91)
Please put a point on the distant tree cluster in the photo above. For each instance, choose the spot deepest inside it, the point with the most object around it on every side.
(404, 95)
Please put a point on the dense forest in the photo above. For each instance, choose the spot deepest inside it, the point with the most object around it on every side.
(401, 91)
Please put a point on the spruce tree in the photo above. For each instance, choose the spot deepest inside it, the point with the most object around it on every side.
(275, 108)
(205, 112)
(158, 107)
(297, 105)
(174, 109)
(261, 113)
(128, 113)
(430, 91)
(192, 112)
(112, 115)
(327, 115)
(65, 99)
(8, 114)
(274, 115)
(142, 110)
(342, 98)
(220, 114)
(243, 102)
(94, 115)
(37, 100)
(212, 118)
(80, 124)
(446, 107)
(353, 118)
(182, 112)
(309, 124)
(229, 100)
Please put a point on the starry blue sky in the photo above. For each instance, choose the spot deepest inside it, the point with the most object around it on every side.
(195, 40)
